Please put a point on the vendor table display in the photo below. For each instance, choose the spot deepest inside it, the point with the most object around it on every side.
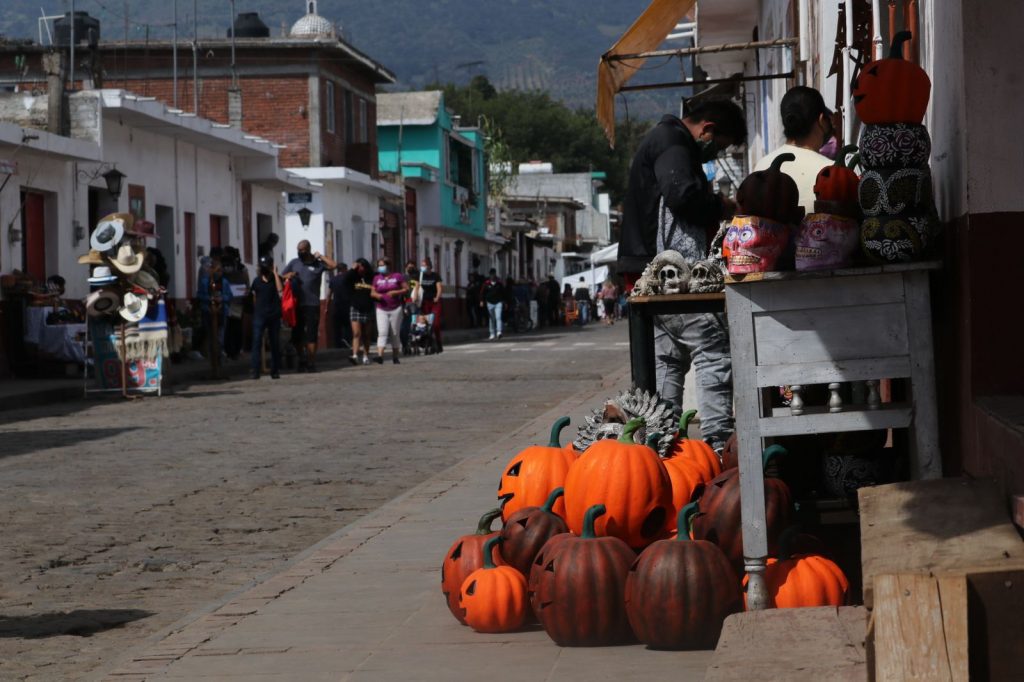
(60, 341)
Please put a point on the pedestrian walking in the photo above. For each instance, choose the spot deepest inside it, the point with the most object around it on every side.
(609, 298)
(389, 290)
(266, 317)
(582, 298)
(214, 294)
(306, 272)
(359, 284)
(473, 311)
(340, 303)
(237, 276)
(431, 289)
(493, 296)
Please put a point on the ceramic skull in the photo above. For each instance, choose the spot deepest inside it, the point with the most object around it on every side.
(706, 277)
(826, 241)
(673, 272)
(755, 244)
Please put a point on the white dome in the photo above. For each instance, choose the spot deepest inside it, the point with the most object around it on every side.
(312, 25)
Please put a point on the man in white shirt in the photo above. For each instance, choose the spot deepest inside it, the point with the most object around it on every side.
(807, 125)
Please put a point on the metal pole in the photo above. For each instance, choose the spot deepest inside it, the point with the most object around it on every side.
(876, 26)
(847, 72)
(709, 49)
(234, 73)
(72, 74)
(174, 52)
(710, 81)
(195, 58)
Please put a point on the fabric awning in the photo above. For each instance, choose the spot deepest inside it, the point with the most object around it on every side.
(649, 30)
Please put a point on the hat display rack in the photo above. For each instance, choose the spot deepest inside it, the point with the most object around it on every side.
(127, 319)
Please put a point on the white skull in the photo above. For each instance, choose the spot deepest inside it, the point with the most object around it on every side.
(673, 272)
(706, 277)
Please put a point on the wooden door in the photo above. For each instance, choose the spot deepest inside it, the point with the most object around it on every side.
(190, 254)
(33, 231)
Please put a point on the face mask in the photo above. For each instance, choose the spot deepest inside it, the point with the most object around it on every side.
(382, 269)
(423, 268)
(708, 149)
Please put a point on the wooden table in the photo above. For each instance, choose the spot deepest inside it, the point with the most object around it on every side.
(642, 310)
(827, 327)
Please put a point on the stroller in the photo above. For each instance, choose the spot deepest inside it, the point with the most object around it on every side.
(421, 335)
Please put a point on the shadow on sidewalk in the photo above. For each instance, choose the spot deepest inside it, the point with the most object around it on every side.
(77, 623)
(24, 442)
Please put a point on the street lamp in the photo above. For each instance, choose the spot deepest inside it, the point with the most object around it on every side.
(113, 178)
(304, 216)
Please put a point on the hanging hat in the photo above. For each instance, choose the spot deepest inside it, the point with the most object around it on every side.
(127, 261)
(142, 228)
(145, 280)
(102, 302)
(94, 257)
(110, 230)
(134, 308)
(102, 275)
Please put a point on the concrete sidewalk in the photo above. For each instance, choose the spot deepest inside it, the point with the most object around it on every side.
(366, 604)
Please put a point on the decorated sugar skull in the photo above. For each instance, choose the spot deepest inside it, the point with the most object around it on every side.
(755, 244)
(673, 272)
(706, 277)
(826, 241)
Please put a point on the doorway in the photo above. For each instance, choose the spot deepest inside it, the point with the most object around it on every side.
(33, 234)
(219, 235)
(190, 253)
(165, 241)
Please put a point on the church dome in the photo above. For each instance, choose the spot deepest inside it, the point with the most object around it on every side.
(312, 25)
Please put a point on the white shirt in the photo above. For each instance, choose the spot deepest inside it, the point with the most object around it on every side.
(804, 170)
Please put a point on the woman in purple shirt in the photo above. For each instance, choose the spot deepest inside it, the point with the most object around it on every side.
(389, 290)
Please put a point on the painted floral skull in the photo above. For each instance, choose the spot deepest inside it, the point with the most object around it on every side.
(826, 241)
(755, 244)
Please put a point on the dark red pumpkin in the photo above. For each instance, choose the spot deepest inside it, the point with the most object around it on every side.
(838, 182)
(629, 480)
(537, 574)
(720, 521)
(680, 591)
(528, 529)
(771, 193)
(494, 597)
(464, 557)
(798, 580)
(892, 90)
(582, 601)
(532, 474)
(730, 454)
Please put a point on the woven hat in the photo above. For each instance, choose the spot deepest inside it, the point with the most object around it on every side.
(102, 302)
(127, 261)
(110, 230)
(102, 275)
(145, 279)
(94, 257)
(134, 308)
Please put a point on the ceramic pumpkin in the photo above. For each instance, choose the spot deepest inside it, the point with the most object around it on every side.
(697, 451)
(798, 580)
(629, 480)
(581, 599)
(531, 475)
(838, 182)
(494, 597)
(771, 193)
(528, 529)
(687, 483)
(895, 145)
(679, 592)
(464, 557)
(537, 578)
(892, 90)
(720, 522)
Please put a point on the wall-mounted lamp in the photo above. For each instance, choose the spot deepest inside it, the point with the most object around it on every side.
(13, 235)
(304, 215)
(113, 178)
(458, 245)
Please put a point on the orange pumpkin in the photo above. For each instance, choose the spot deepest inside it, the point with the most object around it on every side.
(687, 482)
(632, 483)
(494, 597)
(802, 580)
(464, 557)
(838, 182)
(697, 451)
(531, 475)
(892, 90)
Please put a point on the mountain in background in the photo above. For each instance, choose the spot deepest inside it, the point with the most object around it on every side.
(548, 45)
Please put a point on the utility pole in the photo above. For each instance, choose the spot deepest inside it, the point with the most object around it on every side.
(195, 57)
(72, 45)
(174, 52)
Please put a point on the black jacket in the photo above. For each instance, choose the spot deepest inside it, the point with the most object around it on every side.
(667, 164)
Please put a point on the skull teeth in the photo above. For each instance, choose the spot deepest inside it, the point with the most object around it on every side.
(743, 259)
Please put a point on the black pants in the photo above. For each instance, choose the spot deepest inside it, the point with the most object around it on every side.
(342, 325)
(272, 325)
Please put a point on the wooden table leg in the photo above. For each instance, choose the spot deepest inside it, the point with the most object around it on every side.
(641, 348)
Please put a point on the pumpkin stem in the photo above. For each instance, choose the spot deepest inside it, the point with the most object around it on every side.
(556, 432)
(770, 452)
(684, 423)
(854, 160)
(786, 539)
(652, 440)
(630, 428)
(588, 521)
(686, 515)
(489, 551)
(484, 527)
(549, 503)
(781, 159)
(896, 51)
(841, 156)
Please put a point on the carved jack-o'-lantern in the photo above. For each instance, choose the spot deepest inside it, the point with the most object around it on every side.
(532, 474)
(838, 182)
(892, 90)
(771, 193)
(464, 557)
(493, 597)
(755, 244)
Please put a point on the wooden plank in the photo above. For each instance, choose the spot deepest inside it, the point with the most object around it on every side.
(848, 291)
(941, 526)
(797, 645)
(925, 456)
(995, 621)
(841, 370)
(892, 416)
(908, 639)
(829, 334)
(755, 277)
(669, 298)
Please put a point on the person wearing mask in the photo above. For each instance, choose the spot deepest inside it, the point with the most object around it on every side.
(582, 297)
(685, 217)
(307, 273)
(359, 283)
(340, 305)
(389, 290)
(808, 126)
(238, 276)
(493, 296)
(266, 316)
(473, 312)
(214, 294)
(431, 289)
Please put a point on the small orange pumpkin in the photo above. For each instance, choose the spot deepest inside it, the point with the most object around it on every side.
(632, 483)
(892, 90)
(463, 557)
(838, 182)
(532, 474)
(697, 451)
(802, 580)
(494, 597)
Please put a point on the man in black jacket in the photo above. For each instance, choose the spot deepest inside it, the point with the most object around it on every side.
(670, 205)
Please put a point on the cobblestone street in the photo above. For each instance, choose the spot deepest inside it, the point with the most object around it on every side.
(121, 518)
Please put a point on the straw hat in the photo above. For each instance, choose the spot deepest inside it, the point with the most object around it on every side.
(127, 261)
(135, 307)
(94, 257)
(110, 230)
(102, 302)
(102, 275)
